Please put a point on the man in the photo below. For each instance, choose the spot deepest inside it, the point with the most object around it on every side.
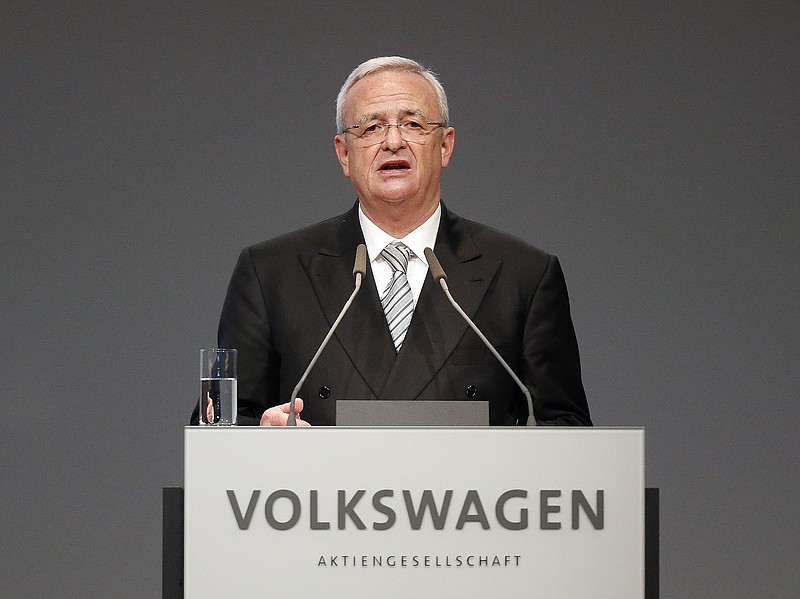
(393, 141)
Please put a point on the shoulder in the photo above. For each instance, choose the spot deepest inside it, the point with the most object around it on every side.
(332, 236)
(313, 235)
(491, 242)
(522, 268)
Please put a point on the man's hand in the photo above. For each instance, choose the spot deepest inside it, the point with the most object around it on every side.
(278, 415)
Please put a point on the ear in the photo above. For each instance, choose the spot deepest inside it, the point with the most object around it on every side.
(448, 143)
(342, 153)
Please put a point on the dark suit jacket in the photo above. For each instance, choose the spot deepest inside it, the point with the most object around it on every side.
(285, 294)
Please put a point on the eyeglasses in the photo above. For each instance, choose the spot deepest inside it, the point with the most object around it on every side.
(374, 133)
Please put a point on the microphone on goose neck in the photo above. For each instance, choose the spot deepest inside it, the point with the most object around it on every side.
(359, 272)
(439, 276)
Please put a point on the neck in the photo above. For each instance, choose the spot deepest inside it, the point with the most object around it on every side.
(397, 221)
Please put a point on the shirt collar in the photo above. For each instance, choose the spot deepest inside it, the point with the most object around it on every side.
(420, 238)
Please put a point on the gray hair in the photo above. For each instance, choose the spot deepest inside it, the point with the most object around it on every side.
(390, 63)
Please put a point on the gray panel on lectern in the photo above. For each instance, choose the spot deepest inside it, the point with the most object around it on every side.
(392, 412)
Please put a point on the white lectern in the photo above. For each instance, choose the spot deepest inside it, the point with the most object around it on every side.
(414, 512)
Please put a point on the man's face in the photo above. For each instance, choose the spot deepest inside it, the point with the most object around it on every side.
(394, 172)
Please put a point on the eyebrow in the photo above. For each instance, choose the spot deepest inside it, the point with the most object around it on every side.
(379, 116)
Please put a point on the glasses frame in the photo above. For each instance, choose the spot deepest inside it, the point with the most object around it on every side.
(386, 126)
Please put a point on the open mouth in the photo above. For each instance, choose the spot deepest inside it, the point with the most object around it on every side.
(395, 165)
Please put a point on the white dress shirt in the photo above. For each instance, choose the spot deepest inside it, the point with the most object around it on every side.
(420, 238)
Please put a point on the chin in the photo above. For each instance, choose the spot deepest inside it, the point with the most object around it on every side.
(394, 199)
(397, 194)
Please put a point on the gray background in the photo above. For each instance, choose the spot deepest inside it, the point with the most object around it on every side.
(652, 146)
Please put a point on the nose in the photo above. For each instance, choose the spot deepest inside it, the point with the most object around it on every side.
(393, 140)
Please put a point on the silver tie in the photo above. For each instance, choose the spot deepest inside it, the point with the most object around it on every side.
(397, 301)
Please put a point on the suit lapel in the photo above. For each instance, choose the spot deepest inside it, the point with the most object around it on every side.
(436, 327)
(362, 333)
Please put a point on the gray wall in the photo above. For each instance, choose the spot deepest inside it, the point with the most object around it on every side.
(652, 146)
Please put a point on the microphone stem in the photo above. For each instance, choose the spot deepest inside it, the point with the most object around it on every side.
(531, 420)
(292, 421)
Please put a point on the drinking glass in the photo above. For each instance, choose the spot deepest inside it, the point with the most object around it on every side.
(218, 387)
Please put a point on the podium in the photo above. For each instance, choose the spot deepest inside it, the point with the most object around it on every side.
(414, 512)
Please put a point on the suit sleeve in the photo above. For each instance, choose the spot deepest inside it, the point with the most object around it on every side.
(551, 361)
(244, 325)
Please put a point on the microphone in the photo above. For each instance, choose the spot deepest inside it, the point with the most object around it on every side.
(359, 272)
(437, 272)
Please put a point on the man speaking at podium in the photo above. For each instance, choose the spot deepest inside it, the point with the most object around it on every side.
(401, 338)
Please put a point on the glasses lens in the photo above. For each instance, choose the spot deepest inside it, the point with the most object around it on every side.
(375, 133)
(414, 131)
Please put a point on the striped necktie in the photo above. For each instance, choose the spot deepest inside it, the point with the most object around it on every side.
(397, 301)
